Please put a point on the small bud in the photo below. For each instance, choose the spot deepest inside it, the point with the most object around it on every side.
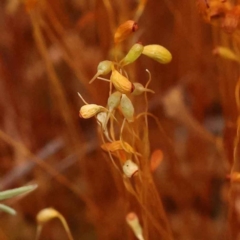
(127, 108)
(139, 89)
(158, 53)
(133, 222)
(117, 145)
(121, 83)
(114, 100)
(90, 110)
(103, 68)
(133, 54)
(130, 168)
(226, 53)
(125, 30)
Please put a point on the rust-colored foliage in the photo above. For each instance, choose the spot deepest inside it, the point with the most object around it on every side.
(50, 50)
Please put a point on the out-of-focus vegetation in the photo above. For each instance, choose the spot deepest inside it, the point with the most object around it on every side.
(49, 51)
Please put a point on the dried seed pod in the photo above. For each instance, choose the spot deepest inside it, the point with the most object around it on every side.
(226, 53)
(133, 54)
(130, 168)
(139, 89)
(125, 30)
(158, 53)
(114, 100)
(103, 68)
(121, 83)
(133, 222)
(117, 145)
(90, 110)
(127, 108)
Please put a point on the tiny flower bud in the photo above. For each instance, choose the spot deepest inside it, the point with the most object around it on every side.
(127, 108)
(124, 30)
(139, 89)
(121, 83)
(130, 168)
(90, 110)
(158, 53)
(133, 54)
(114, 100)
(133, 222)
(103, 68)
(226, 53)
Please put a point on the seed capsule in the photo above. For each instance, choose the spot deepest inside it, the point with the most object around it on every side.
(124, 30)
(133, 222)
(90, 110)
(103, 68)
(226, 53)
(158, 53)
(139, 89)
(130, 168)
(117, 145)
(47, 214)
(133, 54)
(121, 83)
(114, 100)
(127, 108)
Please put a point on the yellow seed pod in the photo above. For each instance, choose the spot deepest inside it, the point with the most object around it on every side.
(127, 108)
(46, 215)
(139, 89)
(125, 30)
(158, 53)
(121, 83)
(117, 145)
(90, 110)
(226, 53)
(133, 54)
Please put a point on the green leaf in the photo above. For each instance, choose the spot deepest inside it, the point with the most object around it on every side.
(16, 191)
(7, 209)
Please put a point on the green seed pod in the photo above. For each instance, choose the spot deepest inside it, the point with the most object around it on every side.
(133, 54)
(127, 108)
(158, 53)
(114, 100)
(103, 68)
(139, 89)
(121, 83)
(130, 168)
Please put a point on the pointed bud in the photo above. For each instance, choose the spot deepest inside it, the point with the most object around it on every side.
(226, 53)
(158, 53)
(139, 89)
(133, 222)
(121, 83)
(114, 100)
(133, 54)
(130, 168)
(125, 30)
(117, 145)
(103, 68)
(90, 110)
(156, 159)
(127, 108)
